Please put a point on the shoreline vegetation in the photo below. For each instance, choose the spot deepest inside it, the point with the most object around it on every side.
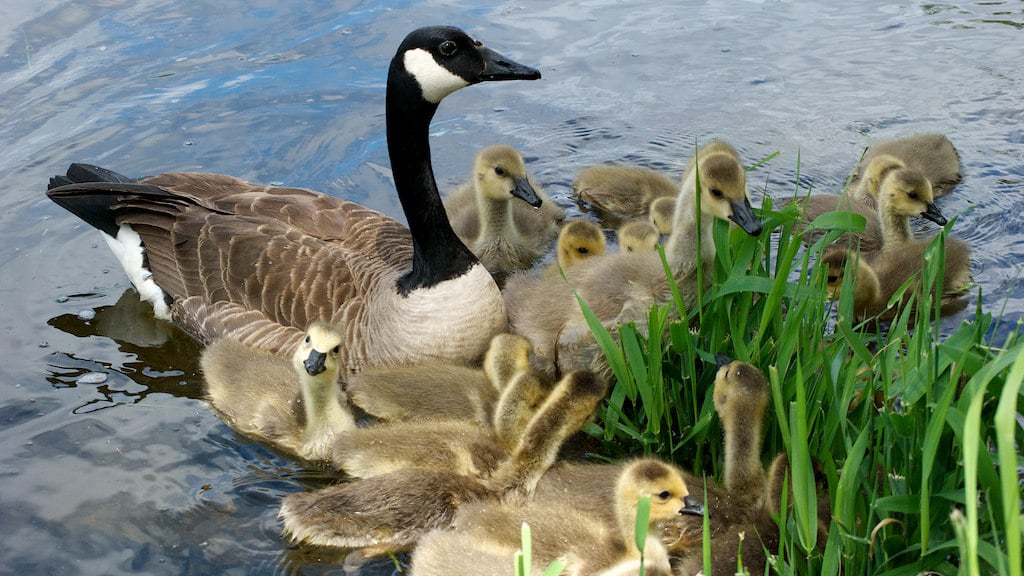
(914, 433)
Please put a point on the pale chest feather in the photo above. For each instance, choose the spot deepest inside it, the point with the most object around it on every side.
(453, 320)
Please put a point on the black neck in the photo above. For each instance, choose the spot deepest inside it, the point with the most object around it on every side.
(438, 254)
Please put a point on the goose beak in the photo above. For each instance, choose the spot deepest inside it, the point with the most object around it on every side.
(498, 67)
(315, 363)
(932, 213)
(525, 192)
(722, 360)
(691, 507)
(743, 216)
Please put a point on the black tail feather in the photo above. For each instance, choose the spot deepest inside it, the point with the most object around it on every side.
(79, 173)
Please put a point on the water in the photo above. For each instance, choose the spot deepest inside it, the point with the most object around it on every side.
(109, 462)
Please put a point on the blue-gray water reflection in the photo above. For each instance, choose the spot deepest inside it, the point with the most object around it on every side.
(134, 473)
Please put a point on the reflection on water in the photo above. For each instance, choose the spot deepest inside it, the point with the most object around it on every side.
(111, 462)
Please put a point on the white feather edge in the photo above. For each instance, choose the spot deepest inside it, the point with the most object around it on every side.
(127, 248)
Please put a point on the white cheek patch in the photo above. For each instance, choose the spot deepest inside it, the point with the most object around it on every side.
(435, 81)
(127, 247)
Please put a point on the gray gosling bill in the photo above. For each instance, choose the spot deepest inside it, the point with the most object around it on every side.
(590, 543)
(296, 406)
(504, 234)
(390, 512)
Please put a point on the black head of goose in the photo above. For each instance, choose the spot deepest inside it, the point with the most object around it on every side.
(226, 258)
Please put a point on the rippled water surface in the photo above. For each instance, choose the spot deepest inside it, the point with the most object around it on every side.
(110, 463)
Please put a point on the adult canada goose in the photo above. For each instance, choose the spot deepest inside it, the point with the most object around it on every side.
(588, 542)
(661, 212)
(620, 287)
(626, 191)
(296, 406)
(228, 259)
(506, 235)
(638, 236)
(933, 155)
(899, 192)
(438, 389)
(391, 511)
(878, 280)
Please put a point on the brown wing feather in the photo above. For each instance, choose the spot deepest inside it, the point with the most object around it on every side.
(250, 254)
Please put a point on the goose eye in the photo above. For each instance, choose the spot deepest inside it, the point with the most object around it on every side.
(449, 48)
(582, 250)
(664, 495)
(717, 193)
(306, 340)
(336, 350)
(499, 170)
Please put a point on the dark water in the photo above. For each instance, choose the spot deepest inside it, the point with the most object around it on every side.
(133, 474)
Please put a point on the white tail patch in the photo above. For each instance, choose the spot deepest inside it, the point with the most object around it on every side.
(435, 80)
(128, 249)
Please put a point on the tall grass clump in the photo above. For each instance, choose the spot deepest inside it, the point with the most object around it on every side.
(909, 427)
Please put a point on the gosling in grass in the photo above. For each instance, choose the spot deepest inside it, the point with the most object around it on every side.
(931, 155)
(504, 234)
(588, 542)
(621, 287)
(435, 390)
(638, 236)
(878, 280)
(296, 406)
(900, 193)
(626, 191)
(390, 512)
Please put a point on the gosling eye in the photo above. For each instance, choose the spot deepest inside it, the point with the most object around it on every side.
(629, 249)
(664, 495)
(582, 250)
(913, 195)
(448, 48)
(717, 193)
(832, 278)
(499, 170)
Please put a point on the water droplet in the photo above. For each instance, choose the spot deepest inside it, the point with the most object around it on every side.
(44, 344)
(92, 378)
(62, 299)
(189, 143)
(86, 315)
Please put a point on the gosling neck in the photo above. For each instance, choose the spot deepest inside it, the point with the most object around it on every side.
(322, 407)
(495, 217)
(895, 227)
(438, 254)
(743, 470)
(681, 245)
